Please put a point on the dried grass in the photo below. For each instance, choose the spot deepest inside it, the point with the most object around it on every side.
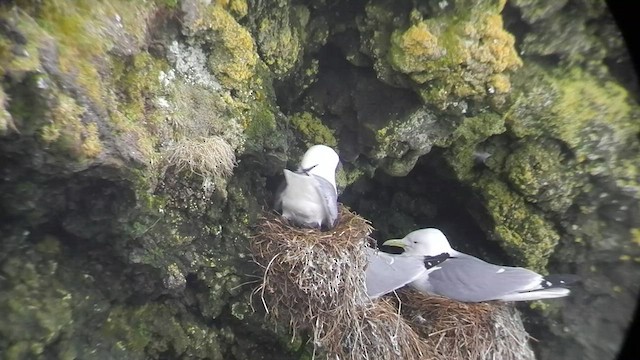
(456, 330)
(315, 281)
(210, 157)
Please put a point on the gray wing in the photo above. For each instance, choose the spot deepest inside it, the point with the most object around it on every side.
(470, 279)
(329, 201)
(386, 272)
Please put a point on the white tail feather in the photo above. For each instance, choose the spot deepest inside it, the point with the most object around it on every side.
(536, 295)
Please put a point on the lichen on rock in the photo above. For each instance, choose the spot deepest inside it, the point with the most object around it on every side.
(461, 52)
(140, 141)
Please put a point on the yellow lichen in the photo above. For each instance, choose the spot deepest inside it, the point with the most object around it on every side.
(635, 236)
(91, 146)
(500, 83)
(459, 54)
(585, 105)
(499, 49)
(235, 59)
(313, 130)
(239, 8)
(414, 48)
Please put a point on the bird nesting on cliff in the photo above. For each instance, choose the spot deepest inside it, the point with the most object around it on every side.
(309, 197)
(463, 277)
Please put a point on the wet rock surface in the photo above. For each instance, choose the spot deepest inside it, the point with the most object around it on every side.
(140, 141)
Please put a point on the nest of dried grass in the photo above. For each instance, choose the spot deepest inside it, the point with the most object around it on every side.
(315, 281)
(456, 330)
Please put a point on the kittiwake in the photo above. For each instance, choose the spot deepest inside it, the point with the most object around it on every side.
(466, 278)
(309, 197)
(388, 272)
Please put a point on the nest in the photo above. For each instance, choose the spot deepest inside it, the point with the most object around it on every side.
(456, 330)
(315, 281)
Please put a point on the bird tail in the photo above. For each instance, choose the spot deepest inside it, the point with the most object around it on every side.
(551, 286)
(549, 293)
(559, 280)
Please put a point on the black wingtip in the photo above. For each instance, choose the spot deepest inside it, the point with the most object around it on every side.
(560, 280)
(431, 261)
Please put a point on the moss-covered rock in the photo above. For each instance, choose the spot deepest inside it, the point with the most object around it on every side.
(538, 171)
(139, 143)
(312, 130)
(403, 141)
(233, 57)
(280, 33)
(458, 53)
(522, 230)
(101, 127)
(579, 31)
(592, 117)
(159, 329)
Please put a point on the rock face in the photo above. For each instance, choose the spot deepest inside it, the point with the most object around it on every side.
(139, 142)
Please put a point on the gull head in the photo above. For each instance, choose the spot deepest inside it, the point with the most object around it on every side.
(423, 242)
(322, 161)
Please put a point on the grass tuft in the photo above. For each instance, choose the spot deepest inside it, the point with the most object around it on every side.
(211, 157)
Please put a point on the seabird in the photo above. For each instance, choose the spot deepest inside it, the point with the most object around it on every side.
(388, 272)
(466, 278)
(309, 197)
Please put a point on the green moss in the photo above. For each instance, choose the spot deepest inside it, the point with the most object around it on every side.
(239, 8)
(574, 107)
(137, 80)
(280, 36)
(81, 35)
(154, 329)
(465, 140)
(17, 59)
(49, 245)
(262, 124)
(523, 232)
(233, 58)
(455, 55)
(411, 50)
(592, 116)
(170, 4)
(313, 130)
(35, 309)
(542, 174)
(347, 176)
(584, 103)
(68, 132)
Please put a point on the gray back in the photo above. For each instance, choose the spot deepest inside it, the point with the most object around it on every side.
(470, 279)
(329, 201)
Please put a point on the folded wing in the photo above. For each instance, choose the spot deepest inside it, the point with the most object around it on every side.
(470, 279)
(386, 273)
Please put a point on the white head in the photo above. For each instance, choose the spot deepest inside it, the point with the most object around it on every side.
(322, 161)
(425, 242)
